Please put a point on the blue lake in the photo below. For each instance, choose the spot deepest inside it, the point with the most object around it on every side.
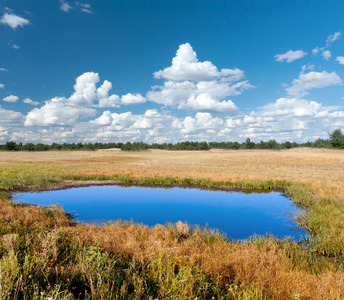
(239, 215)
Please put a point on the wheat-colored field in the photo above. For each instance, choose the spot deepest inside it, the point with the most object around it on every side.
(293, 164)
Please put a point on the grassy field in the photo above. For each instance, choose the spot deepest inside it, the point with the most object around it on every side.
(44, 254)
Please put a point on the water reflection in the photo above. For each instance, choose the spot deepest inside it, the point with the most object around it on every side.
(239, 215)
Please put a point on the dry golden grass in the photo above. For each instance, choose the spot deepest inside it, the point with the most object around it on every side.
(29, 215)
(319, 172)
(269, 268)
(295, 164)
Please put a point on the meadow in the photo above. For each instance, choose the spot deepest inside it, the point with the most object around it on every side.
(45, 255)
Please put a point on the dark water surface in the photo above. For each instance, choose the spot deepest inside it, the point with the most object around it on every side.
(238, 214)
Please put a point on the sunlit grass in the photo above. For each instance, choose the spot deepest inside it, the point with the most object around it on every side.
(44, 255)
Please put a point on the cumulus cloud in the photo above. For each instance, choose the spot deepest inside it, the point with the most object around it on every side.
(2, 86)
(185, 66)
(284, 119)
(103, 96)
(199, 86)
(288, 117)
(202, 122)
(58, 111)
(340, 59)
(312, 80)
(326, 54)
(204, 102)
(85, 89)
(11, 98)
(104, 119)
(132, 99)
(13, 20)
(9, 116)
(62, 111)
(290, 56)
(31, 102)
(75, 118)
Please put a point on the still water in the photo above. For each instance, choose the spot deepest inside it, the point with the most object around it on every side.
(239, 215)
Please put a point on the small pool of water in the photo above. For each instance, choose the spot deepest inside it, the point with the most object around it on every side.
(239, 215)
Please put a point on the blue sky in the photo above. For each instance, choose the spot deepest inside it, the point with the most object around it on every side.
(169, 71)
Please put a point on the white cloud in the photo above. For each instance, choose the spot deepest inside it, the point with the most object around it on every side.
(8, 116)
(307, 67)
(326, 54)
(3, 69)
(316, 50)
(132, 99)
(103, 96)
(185, 66)
(61, 111)
(198, 86)
(65, 6)
(111, 101)
(15, 46)
(85, 89)
(312, 80)
(58, 111)
(340, 59)
(2, 86)
(104, 119)
(205, 103)
(290, 56)
(11, 98)
(84, 7)
(286, 119)
(332, 38)
(29, 101)
(13, 20)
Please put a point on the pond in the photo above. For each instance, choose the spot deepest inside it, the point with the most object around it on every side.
(237, 214)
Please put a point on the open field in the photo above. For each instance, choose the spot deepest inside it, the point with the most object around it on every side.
(169, 262)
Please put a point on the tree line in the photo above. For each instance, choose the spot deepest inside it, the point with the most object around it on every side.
(335, 140)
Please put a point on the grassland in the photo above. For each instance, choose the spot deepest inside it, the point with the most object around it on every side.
(44, 254)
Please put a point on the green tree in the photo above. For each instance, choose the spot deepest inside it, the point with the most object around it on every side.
(11, 146)
(249, 144)
(337, 139)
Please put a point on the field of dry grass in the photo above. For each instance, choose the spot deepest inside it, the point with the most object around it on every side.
(279, 270)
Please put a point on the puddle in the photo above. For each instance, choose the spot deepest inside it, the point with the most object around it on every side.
(239, 215)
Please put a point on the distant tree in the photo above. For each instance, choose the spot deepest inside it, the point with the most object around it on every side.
(11, 146)
(337, 139)
(28, 147)
(287, 145)
(235, 145)
(320, 143)
(249, 144)
(272, 144)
